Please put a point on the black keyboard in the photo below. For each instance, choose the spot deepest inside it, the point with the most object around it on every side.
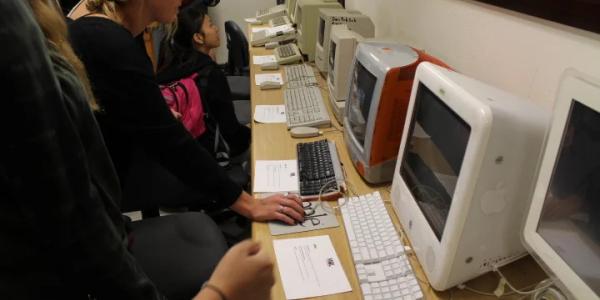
(318, 164)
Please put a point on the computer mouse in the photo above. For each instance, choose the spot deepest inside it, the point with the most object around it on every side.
(304, 132)
(269, 66)
(269, 85)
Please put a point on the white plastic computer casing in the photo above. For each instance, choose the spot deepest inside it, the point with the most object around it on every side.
(342, 46)
(493, 188)
(392, 64)
(329, 17)
(581, 88)
(273, 12)
(290, 6)
(307, 20)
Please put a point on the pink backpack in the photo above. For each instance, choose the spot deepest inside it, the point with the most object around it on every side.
(184, 97)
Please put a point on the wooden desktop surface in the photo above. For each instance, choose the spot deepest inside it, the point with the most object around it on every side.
(273, 142)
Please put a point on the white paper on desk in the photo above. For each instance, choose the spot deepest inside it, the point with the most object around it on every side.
(251, 20)
(260, 78)
(269, 113)
(275, 176)
(309, 267)
(262, 59)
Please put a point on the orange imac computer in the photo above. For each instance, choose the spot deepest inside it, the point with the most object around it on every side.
(381, 79)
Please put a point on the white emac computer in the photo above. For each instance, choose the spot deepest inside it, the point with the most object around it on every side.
(465, 172)
(342, 45)
(329, 17)
(562, 229)
(381, 78)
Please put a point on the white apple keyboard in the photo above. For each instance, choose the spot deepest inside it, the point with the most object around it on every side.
(382, 266)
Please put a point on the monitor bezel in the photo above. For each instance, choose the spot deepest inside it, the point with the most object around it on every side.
(366, 60)
(321, 28)
(574, 86)
(479, 117)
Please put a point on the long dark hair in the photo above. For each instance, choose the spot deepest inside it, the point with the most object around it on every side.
(178, 47)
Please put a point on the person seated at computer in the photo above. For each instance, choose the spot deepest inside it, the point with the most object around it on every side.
(62, 234)
(187, 51)
(135, 117)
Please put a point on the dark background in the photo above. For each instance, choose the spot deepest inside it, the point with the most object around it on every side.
(583, 14)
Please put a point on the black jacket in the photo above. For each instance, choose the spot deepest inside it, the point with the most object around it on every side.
(61, 232)
(136, 115)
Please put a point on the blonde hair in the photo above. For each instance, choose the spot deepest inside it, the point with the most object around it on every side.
(105, 7)
(50, 19)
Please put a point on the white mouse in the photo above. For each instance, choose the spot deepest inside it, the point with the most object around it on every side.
(269, 85)
(304, 132)
(269, 66)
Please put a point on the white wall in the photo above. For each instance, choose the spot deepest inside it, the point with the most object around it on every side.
(521, 54)
(235, 10)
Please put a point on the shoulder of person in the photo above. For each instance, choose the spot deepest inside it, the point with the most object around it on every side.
(106, 39)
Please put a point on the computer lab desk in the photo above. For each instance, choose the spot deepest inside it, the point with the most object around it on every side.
(273, 142)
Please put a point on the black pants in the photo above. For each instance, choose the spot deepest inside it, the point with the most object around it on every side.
(178, 252)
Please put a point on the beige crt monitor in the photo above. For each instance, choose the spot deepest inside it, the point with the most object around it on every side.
(307, 20)
(329, 17)
(562, 229)
(343, 43)
(290, 6)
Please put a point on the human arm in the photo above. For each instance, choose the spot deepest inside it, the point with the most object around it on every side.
(71, 228)
(135, 113)
(254, 282)
(286, 208)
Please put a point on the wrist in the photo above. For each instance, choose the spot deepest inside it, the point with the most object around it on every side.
(244, 205)
(210, 291)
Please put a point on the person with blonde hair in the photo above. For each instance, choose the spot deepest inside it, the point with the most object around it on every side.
(135, 116)
(62, 234)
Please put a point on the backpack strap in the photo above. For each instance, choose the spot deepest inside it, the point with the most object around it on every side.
(202, 82)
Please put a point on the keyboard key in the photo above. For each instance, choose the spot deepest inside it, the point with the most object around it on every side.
(383, 269)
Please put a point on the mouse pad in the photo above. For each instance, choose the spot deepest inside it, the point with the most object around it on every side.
(320, 219)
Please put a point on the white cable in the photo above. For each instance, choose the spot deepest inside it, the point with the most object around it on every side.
(517, 290)
(472, 290)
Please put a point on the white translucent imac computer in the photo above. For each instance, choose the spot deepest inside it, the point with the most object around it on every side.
(307, 20)
(562, 229)
(381, 80)
(465, 174)
(329, 17)
(342, 44)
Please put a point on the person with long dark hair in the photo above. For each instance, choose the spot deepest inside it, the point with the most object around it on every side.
(187, 51)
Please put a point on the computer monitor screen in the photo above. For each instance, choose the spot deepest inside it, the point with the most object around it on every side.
(570, 216)
(359, 101)
(437, 140)
(332, 47)
(321, 33)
